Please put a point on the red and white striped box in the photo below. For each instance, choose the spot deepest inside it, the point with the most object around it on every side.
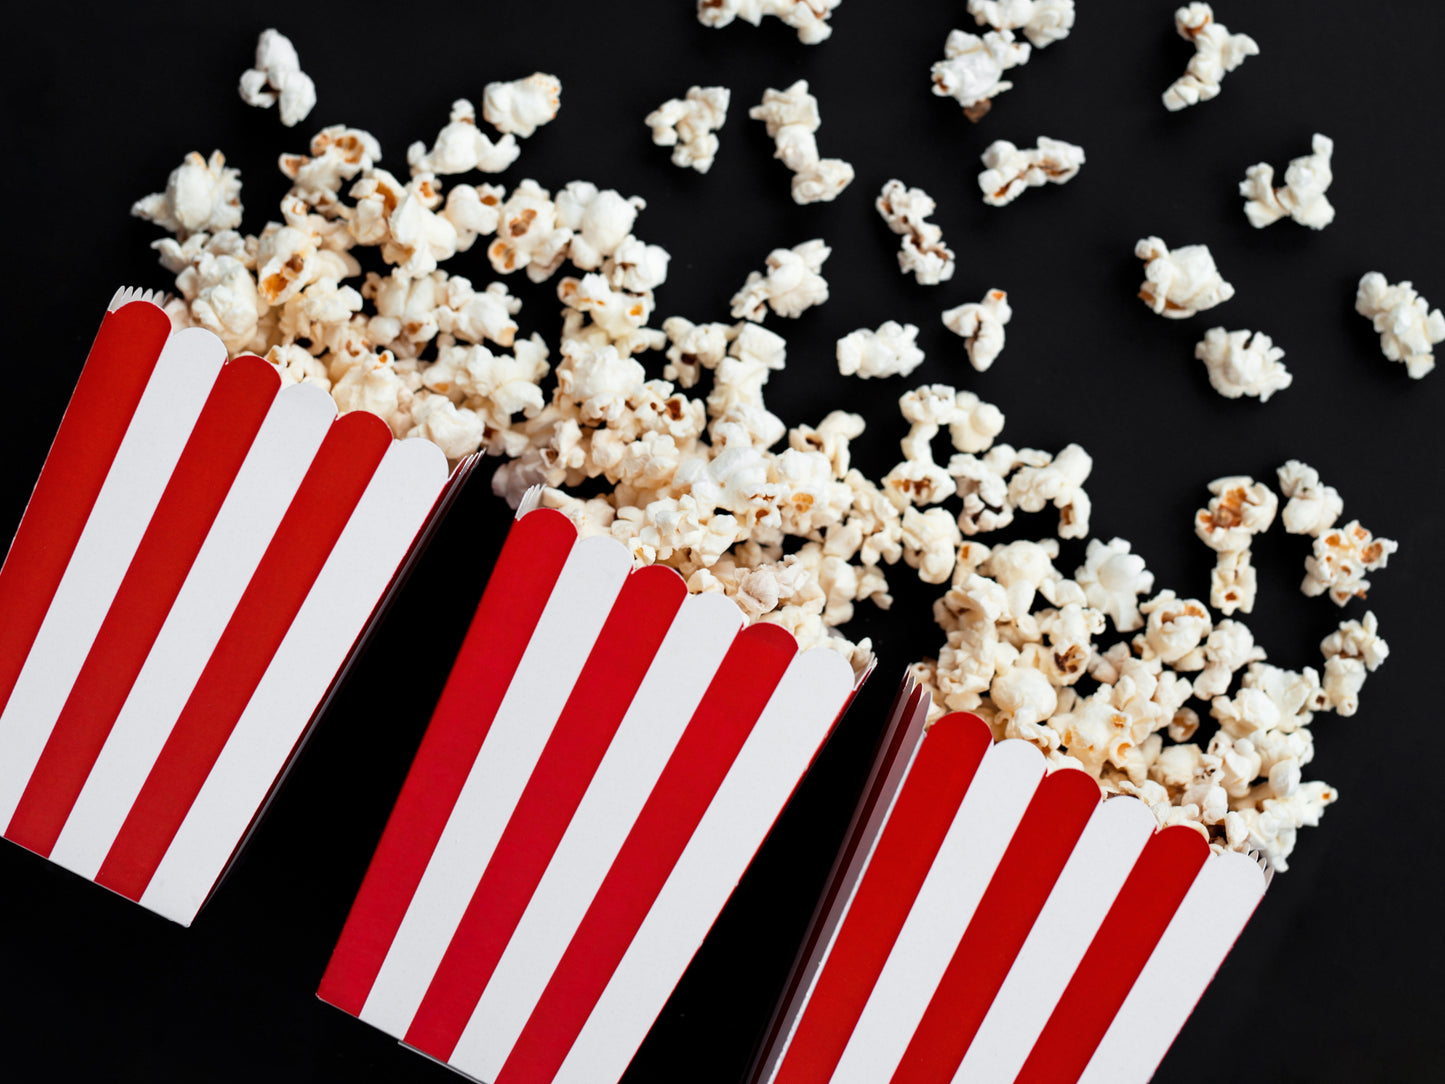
(605, 760)
(989, 921)
(201, 555)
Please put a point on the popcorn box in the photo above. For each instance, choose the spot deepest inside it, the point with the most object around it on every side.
(199, 560)
(988, 921)
(606, 757)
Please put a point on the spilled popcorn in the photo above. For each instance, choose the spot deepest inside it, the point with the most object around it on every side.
(1303, 196)
(792, 119)
(1216, 52)
(278, 78)
(1408, 327)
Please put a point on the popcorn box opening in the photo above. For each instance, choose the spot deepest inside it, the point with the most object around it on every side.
(606, 758)
(988, 921)
(201, 557)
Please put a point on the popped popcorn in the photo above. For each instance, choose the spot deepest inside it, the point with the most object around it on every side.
(689, 125)
(1243, 363)
(1408, 327)
(202, 195)
(523, 105)
(1311, 506)
(808, 17)
(1239, 509)
(1008, 169)
(1113, 579)
(981, 325)
(529, 237)
(277, 77)
(1180, 283)
(923, 253)
(1043, 22)
(1341, 557)
(889, 351)
(792, 117)
(792, 283)
(972, 68)
(461, 147)
(1303, 196)
(1216, 52)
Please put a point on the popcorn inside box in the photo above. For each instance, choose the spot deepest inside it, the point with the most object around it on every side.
(202, 554)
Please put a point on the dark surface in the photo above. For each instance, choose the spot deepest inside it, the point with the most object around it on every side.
(1336, 978)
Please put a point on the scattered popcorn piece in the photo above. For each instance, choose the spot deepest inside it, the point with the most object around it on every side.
(1175, 631)
(1408, 327)
(1060, 482)
(792, 117)
(1243, 363)
(972, 68)
(1042, 21)
(1181, 283)
(596, 314)
(461, 147)
(277, 76)
(1239, 509)
(1357, 641)
(1008, 170)
(688, 125)
(338, 154)
(523, 105)
(889, 351)
(808, 17)
(1342, 556)
(1229, 648)
(1303, 196)
(980, 325)
(792, 283)
(930, 543)
(528, 234)
(1113, 579)
(201, 196)
(1216, 52)
(1233, 583)
(923, 253)
(1312, 507)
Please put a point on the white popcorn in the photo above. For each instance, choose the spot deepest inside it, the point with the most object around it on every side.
(473, 316)
(1113, 579)
(523, 105)
(1059, 482)
(218, 293)
(1216, 52)
(1229, 648)
(201, 196)
(1233, 583)
(461, 147)
(792, 117)
(793, 283)
(636, 266)
(1008, 170)
(374, 385)
(687, 125)
(597, 314)
(456, 430)
(1175, 631)
(1042, 21)
(1354, 648)
(600, 221)
(808, 17)
(981, 325)
(277, 76)
(975, 423)
(1408, 327)
(923, 253)
(1239, 509)
(889, 351)
(297, 365)
(528, 234)
(930, 543)
(1181, 283)
(971, 71)
(338, 154)
(1342, 556)
(1303, 196)
(1243, 363)
(1312, 507)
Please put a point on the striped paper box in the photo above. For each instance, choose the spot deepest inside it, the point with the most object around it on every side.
(201, 555)
(606, 758)
(989, 921)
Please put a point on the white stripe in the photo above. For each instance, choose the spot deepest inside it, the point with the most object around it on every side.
(374, 541)
(673, 687)
(574, 615)
(143, 463)
(777, 752)
(975, 843)
(848, 880)
(284, 447)
(1087, 886)
(1209, 920)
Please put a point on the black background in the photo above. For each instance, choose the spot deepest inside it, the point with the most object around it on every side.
(1336, 978)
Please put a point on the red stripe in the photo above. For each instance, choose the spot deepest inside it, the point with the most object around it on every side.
(939, 777)
(605, 688)
(734, 700)
(521, 582)
(115, 374)
(227, 425)
(1035, 857)
(323, 504)
(1117, 954)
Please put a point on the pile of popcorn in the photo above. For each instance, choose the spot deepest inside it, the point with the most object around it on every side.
(692, 470)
